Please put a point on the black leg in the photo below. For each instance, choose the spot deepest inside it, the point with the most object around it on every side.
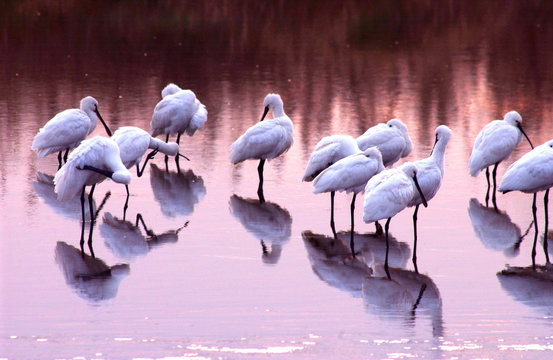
(351, 242)
(415, 238)
(386, 227)
(140, 172)
(488, 181)
(332, 193)
(494, 172)
(125, 207)
(65, 156)
(82, 224)
(546, 205)
(260, 187)
(534, 209)
(90, 199)
(167, 157)
(59, 159)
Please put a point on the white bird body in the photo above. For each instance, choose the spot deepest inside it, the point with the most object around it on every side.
(329, 150)
(67, 129)
(133, 143)
(389, 192)
(531, 173)
(267, 139)
(391, 139)
(178, 112)
(430, 171)
(495, 142)
(351, 173)
(99, 152)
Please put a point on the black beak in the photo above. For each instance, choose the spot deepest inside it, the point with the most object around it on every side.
(103, 122)
(526, 136)
(424, 202)
(264, 113)
(179, 154)
(107, 173)
(435, 142)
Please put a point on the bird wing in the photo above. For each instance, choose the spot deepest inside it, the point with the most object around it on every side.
(65, 130)
(386, 194)
(532, 172)
(493, 144)
(328, 150)
(388, 140)
(258, 142)
(349, 174)
(429, 177)
(133, 143)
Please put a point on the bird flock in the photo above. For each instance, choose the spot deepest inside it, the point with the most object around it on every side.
(337, 163)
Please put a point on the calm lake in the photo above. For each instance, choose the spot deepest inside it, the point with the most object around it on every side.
(217, 275)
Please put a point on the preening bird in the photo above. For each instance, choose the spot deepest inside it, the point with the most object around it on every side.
(389, 192)
(531, 173)
(67, 129)
(329, 150)
(391, 139)
(494, 143)
(265, 140)
(350, 174)
(90, 163)
(430, 172)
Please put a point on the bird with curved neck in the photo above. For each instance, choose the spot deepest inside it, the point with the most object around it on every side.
(391, 139)
(67, 129)
(430, 172)
(265, 140)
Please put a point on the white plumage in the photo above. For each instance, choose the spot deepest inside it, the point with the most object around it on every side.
(391, 139)
(329, 150)
(98, 152)
(68, 128)
(179, 111)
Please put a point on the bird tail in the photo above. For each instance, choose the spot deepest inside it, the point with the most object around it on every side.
(198, 120)
(67, 184)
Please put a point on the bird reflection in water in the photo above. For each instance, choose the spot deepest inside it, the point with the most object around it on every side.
(177, 193)
(71, 208)
(91, 278)
(267, 221)
(125, 239)
(532, 286)
(407, 295)
(495, 229)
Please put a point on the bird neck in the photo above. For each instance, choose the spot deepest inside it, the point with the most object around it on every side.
(93, 120)
(438, 153)
(170, 149)
(278, 110)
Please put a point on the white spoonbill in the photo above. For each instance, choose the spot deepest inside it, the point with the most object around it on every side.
(90, 163)
(329, 150)
(179, 111)
(67, 129)
(494, 143)
(133, 143)
(350, 175)
(531, 173)
(390, 138)
(265, 140)
(389, 192)
(430, 172)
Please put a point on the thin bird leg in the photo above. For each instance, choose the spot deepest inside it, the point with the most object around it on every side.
(534, 209)
(494, 172)
(386, 226)
(260, 187)
(415, 238)
(167, 157)
(351, 242)
(102, 204)
(545, 206)
(488, 181)
(59, 159)
(126, 202)
(140, 172)
(65, 156)
(82, 224)
(92, 218)
(332, 193)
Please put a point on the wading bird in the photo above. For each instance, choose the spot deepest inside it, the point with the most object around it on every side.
(265, 140)
(391, 139)
(494, 143)
(350, 174)
(90, 163)
(430, 172)
(387, 193)
(531, 173)
(67, 129)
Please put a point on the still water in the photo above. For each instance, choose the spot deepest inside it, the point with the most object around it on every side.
(199, 269)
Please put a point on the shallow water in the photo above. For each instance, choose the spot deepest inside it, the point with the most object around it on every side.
(220, 276)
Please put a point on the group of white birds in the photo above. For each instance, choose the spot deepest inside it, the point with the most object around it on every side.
(337, 163)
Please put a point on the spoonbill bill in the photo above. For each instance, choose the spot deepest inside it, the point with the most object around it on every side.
(430, 172)
(391, 139)
(90, 163)
(329, 150)
(531, 173)
(389, 192)
(350, 174)
(494, 143)
(67, 129)
(265, 140)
